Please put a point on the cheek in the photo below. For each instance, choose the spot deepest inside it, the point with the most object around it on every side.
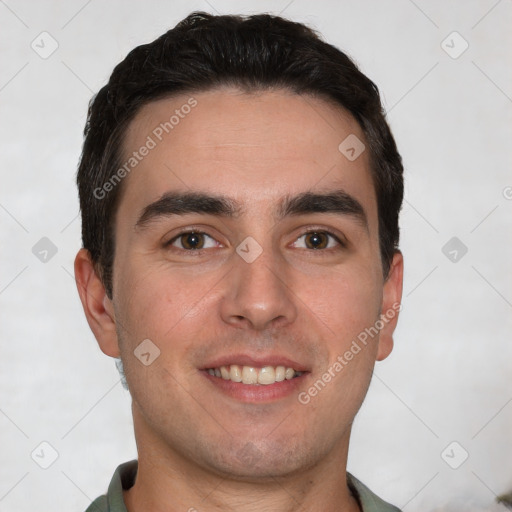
(345, 301)
(347, 307)
(158, 304)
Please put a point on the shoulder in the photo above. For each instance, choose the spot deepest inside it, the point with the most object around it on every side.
(369, 501)
(124, 478)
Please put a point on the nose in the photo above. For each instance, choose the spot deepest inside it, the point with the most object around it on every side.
(258, 294)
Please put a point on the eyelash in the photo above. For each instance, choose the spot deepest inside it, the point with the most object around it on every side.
(341, 244)
(187, 232)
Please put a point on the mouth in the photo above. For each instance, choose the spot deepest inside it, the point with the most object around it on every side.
(253, 375)
(254, 380)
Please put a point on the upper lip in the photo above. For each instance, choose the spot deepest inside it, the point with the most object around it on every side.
(255, 361)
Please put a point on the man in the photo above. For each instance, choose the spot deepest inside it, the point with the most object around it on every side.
(240, 192)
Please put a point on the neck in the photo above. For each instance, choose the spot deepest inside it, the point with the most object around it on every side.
(168, 481)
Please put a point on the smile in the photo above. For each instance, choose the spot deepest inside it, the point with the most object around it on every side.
(252, 375)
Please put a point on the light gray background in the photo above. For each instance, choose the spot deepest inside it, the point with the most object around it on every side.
(449, 377)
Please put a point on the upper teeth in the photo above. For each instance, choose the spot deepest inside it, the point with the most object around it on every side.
(253, 375)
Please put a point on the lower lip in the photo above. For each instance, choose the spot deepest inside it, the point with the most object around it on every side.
(253, 393)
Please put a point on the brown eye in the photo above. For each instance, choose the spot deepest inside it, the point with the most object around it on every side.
(193, 240)
(317, 240)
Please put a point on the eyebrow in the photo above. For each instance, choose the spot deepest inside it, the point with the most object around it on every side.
(181, 203)
(337, 201)
(177, 203)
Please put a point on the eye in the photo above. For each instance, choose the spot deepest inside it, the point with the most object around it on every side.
(192, 240)
(317, 240)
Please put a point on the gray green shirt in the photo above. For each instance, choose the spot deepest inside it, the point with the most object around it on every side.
(125, 474)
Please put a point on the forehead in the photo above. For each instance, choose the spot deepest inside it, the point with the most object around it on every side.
(254, 147)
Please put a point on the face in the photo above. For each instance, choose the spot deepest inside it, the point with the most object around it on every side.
(247, 247)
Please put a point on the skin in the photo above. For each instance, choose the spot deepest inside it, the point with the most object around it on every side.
(197, 446)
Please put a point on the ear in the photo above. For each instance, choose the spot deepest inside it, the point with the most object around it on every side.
(391, 303)
(97, 306)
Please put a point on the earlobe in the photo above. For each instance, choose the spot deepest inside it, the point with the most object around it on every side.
(97, 306)
(391, 305)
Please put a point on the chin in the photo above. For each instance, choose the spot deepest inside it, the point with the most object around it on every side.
(250, 461)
